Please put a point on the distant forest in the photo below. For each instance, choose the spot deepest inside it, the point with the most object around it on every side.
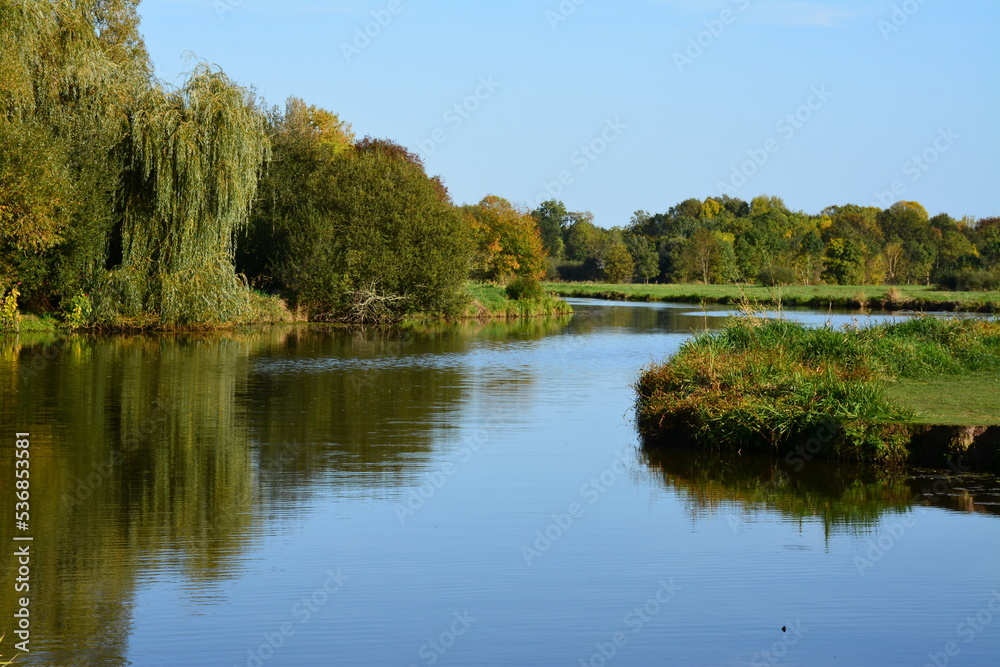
(729, 240)
(125, 202)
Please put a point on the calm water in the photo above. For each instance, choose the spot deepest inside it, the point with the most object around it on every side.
(471, 495)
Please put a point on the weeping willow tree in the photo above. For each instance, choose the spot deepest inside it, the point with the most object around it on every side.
(69, 72)
(193, 158)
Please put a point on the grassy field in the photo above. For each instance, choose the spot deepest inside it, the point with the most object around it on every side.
(910, 297)
(851, 394)
(964, 400)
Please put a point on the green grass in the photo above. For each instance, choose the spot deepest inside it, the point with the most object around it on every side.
(915, 297)
(37, 324)
(775, 385)
(964, 400)
(491, 301)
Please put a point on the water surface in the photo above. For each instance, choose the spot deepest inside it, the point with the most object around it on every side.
(468, 495)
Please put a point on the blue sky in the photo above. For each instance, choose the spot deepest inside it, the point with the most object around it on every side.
(621, 105)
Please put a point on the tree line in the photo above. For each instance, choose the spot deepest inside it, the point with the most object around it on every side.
(728, 240)
(127, 202)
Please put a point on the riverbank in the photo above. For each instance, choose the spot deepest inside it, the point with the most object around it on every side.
(493, 302)
(904, 297)
(483, 302)
(783, 388)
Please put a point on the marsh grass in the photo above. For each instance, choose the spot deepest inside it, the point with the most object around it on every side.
(766, 385)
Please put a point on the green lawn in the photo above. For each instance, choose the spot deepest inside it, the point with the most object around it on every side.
(905, 296)
(962, 400)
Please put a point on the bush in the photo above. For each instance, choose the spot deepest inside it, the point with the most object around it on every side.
(970, 280)
(775, 276)
(524, 288)
(10, 317)
(77, 312)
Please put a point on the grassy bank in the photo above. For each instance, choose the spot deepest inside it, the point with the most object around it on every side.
(492, 302)
(777, 386)
(905, 297)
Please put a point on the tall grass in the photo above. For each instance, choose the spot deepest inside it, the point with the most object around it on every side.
(773, 385)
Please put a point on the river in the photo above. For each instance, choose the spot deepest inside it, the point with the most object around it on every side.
(455, 495)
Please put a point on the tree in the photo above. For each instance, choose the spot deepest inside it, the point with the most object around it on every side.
(844, 262)
(193, 158)
(702, 257)
(71, 72)
(582, 240)
(895, 258)
(619, 267)
(304, 138)
(371, 239)
(508, 242)
(552, 218)
(647, 262)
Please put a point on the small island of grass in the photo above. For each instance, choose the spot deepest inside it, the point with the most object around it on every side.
(920, 391)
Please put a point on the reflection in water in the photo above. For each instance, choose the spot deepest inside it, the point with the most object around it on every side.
(187, 484)
(160, 454)
(846, 499)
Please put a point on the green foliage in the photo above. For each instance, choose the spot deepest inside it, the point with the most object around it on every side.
(619, 267)
(71, 70)
(524, 288)
(844, 262)
(489, 301)
(771, 385)
(10, 316)
(193, 155)
(775, 276)
(552, 218)
(508, 242)
(77, 312)
(970, 280)
(370, 237)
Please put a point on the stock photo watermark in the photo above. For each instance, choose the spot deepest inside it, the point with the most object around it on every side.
(786, 128)
(562, 522)
(223, 7)
(365, 35)
(435, 480)
(917, 166)
(301, 613)
(632, 624)
(966, 631)
(582, 159)
(880, 545)
(21, 565)
(779, 650)
(434, 649)
(562, 13)
(713, 29)
(457, 114)
(899, 16)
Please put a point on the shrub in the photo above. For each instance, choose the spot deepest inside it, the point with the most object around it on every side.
(10, 317)
(77, 312)
(970, 280)
(525, 288)
(775, 276)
